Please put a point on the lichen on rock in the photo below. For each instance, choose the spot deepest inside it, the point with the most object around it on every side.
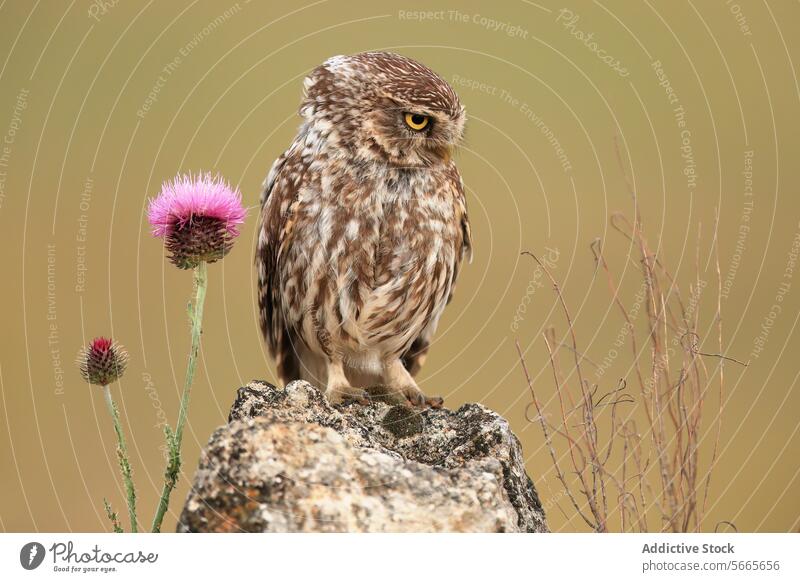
(288, 461)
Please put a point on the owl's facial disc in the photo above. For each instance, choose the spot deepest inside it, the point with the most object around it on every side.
(428, 136)
(412, 134)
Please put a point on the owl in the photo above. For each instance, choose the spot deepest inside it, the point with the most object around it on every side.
(363, 228)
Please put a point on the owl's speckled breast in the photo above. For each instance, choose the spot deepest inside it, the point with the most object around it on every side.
(377, 254)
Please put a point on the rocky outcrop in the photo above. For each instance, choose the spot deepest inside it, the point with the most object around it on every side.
(288, 461)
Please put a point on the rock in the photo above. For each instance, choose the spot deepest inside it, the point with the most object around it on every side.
(288, 461)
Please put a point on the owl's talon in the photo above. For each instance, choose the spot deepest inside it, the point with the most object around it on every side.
(414, 396)
(434, 401)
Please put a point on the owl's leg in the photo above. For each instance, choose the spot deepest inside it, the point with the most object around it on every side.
(338, 388)
(398, 379)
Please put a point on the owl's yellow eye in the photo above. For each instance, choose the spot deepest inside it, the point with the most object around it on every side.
(416, 121)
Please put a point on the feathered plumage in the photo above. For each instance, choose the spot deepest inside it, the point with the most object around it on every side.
(363, 227)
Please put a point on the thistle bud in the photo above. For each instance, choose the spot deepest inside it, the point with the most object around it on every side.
(102, 362)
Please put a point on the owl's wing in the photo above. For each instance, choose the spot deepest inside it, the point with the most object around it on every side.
(277, 200)
(416, 354)
(464, 245)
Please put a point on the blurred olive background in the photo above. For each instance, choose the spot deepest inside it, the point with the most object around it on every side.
(102, 101)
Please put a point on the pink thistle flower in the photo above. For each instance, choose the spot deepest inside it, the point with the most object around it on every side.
(102, 362)
(198, 217)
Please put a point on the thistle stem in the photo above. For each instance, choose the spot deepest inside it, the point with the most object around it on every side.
(122, 456)
(112, 517)
(174, 439)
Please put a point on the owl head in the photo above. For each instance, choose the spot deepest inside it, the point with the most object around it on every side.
(384, 108)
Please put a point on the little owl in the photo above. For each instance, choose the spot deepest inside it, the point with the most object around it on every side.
(363, 228)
